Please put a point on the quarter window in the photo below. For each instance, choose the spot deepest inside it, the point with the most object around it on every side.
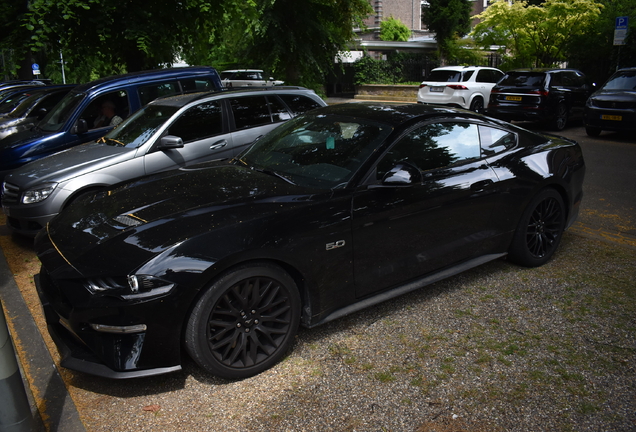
(495, 140)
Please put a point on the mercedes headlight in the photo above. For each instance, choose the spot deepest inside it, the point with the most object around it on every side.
(37, 195)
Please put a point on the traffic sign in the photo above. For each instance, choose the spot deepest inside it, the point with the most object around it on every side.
(36, 69)
(620, 30)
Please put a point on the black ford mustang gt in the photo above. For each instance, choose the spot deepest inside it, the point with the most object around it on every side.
(337, 210)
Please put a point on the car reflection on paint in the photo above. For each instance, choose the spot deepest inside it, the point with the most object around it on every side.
(332, 212)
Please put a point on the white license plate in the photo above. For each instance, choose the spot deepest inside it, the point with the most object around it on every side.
(437, 89)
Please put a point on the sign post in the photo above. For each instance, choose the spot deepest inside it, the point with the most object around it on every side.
(620, 30)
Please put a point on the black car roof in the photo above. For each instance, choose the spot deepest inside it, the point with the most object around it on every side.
(392, 114)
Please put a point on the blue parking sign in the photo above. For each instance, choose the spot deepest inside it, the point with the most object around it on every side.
(622, 22)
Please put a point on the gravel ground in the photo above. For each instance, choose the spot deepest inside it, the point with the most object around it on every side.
(498, 348)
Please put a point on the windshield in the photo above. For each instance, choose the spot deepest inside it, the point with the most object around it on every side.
(523, 79)
(13, 102)
(317, 150)
(139, 127)
(60, 114)
(444, 76)
(25, 104)
(622, 80)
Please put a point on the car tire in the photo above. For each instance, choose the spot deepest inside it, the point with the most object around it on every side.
(244, 322)
(561, 119)
(539, 231)
(592, 131)
(477, 105)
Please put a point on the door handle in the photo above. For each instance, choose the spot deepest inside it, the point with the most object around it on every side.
(218, 145)
(480, 185)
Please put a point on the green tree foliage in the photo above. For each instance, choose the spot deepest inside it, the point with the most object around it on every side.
(298, 41)
(113, 36)
(595, 53)
(448, 19)
(392, 29)
(535, 36)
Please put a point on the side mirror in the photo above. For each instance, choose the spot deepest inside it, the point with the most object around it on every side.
(169, 142)
(402, 174)
(80, 127)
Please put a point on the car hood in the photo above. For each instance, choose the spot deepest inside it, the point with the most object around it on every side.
(24, 137)
(9, 126)
(615, 95)
(69, 163)
(144, 217)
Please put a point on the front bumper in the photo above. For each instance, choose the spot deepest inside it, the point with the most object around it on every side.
(609, 119)
(110, 355)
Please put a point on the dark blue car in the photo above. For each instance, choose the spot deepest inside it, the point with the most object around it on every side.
(75, 119)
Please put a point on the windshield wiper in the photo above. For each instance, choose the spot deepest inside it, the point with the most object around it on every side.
(273, 173)
(103, 140)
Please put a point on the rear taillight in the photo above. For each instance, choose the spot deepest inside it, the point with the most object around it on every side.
(457, 87)
(422, 85)
(540, 92)
(495, 90)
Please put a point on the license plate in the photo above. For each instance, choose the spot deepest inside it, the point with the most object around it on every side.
(514, 98)
(611, 117)
(437, 89)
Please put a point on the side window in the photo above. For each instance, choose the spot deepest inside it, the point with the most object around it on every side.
(150, 92)
(483, 76)
(556, 80)
(466, 76)
(196, 84)
(250, 111)
(436, 145)
(278, 109)
(494, 140)
(107, 110)
(199, 122)
(299, 104)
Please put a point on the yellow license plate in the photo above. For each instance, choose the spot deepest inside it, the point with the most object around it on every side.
(611, 117)
(514, 98)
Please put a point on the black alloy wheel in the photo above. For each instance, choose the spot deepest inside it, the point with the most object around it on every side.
(540, 230)
(244, 322)
(477, 105)
(561, 118)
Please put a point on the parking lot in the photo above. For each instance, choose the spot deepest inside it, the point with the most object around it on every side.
(496, 348)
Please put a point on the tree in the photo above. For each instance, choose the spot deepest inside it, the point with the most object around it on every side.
(448, 19)
(299, 40)
(535, 36)
(594, 52)
(114, 37)
(392, 29)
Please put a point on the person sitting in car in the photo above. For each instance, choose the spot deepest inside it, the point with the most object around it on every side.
(107, 117)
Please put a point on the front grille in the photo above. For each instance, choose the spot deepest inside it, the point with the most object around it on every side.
(10, 193)
(612, 104)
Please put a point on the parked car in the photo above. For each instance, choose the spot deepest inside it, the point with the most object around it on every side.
(546, 95)
(30, 108)
(247, 78)
(168, 133)
(465, 87)
(336, 210)
(74, 120)
(613, 106)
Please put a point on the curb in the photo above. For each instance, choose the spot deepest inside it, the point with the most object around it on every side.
(47, 391)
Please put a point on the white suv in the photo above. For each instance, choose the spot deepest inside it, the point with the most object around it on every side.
(465, 87)
(247, 78)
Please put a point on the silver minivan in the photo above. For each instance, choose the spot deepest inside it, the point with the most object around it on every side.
(169, 133)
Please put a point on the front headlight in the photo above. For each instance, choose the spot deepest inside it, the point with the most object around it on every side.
(134, 287)
(40, 194)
